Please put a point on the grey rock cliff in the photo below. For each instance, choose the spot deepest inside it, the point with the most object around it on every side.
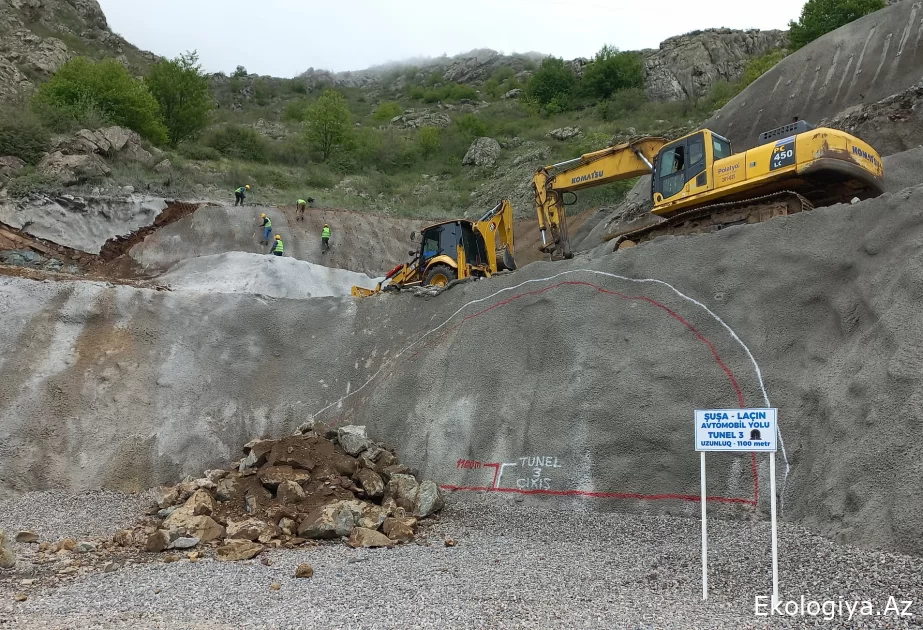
(687, 66)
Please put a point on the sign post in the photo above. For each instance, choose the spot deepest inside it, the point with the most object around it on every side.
(739, 430)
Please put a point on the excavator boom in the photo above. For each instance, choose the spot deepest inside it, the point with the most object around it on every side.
(616, 163)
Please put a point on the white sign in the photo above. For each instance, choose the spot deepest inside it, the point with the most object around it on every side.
(738, 430)
(735, 430)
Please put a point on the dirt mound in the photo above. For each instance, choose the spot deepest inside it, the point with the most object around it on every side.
(320, 484)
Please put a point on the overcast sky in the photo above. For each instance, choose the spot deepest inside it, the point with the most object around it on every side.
(286, 37)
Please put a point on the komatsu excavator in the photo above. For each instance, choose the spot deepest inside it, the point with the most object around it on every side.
(455, 250)
(699, 185)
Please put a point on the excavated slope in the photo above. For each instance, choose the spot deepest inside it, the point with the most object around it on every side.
(863, 62)
(554, 380)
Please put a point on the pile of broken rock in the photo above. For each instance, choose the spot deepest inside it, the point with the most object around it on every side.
(317, 484)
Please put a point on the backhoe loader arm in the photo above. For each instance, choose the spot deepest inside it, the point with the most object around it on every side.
(496, 226)
(612, 164)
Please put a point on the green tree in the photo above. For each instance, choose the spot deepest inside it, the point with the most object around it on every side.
(552, 82)
(81, 85)
(387, 110)
(611, 71)
(240, 72)
(819, 17)
(184, 96)
(328, 124)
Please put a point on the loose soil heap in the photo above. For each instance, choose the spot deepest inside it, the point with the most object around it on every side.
(320, 483)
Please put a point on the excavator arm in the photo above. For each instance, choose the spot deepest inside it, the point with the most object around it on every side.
(612, 164)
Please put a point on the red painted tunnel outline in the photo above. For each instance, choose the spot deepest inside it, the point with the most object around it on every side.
(611, 495)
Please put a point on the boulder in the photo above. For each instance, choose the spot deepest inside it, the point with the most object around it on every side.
(402, 489)
(25, 536)
(362, 537)
(371, 482)
(514, 93)
(158, 541)
(398, 530)
(372, 516)
(395, 469)
(250, 529)
(10, 166)
(482, 152)
(227, 489)
(289, 492)
(292, 451)
(164, 166)
(73, 169)
(184, 542)
(288, 526)
(235, 550)
(124, 538)
(184, 523)
(7, 554)
(256, 452)
(564, 133)
(427, 500)
(304, 570)
(85, 547)
(353, 439)
(273, 476)
(329, 521)
(201, 503)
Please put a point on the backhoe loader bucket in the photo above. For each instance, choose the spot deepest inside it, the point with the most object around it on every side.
(363, 292)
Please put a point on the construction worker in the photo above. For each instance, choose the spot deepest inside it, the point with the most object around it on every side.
(278, 248)
(299, 213)
(267, 229)
(239, 195)
(325, 237)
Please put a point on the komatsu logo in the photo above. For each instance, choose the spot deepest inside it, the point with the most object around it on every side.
(866, 156)
(728, 169)
(586, 178)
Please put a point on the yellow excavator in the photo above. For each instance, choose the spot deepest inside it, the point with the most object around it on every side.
(454, 250)
(699, 185)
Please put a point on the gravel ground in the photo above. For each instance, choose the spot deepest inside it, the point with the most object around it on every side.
(515, 565)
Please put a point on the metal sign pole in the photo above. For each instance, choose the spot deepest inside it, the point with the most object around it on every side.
(775, 540)
(705, 535)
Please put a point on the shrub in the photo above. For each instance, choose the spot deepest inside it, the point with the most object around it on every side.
(459, 92)
(429, 141)
(23, 136)
(31, 183)
(198, 152)
(81, 84)
(295, 110)
(293, 150)
(184, 96)
(552, 82)
(819, 17)
(471, 126)
(387, 110)
(611, 71)
(238, 142)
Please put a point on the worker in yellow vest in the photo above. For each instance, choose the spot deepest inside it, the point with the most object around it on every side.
(278, 248)
(325, 237)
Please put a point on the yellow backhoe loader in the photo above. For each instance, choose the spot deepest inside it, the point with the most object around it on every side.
(699, 185)
(455, 250)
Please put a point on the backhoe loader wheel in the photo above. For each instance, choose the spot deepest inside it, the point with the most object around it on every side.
(439, 276)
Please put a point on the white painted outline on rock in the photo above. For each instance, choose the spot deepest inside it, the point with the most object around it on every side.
(734, 336)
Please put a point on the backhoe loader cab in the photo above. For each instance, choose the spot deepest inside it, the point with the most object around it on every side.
(453, 250)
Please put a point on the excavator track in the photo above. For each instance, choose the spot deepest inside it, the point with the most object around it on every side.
(716, 217)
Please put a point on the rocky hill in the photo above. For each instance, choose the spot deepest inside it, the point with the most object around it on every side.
(38, 36)
(683, 67)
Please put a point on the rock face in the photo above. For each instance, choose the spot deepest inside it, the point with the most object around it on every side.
(37, 34)
(416, 118)
(687, 66)
(564, 133)
(73, 169)
(109, 142)
(483, 152)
